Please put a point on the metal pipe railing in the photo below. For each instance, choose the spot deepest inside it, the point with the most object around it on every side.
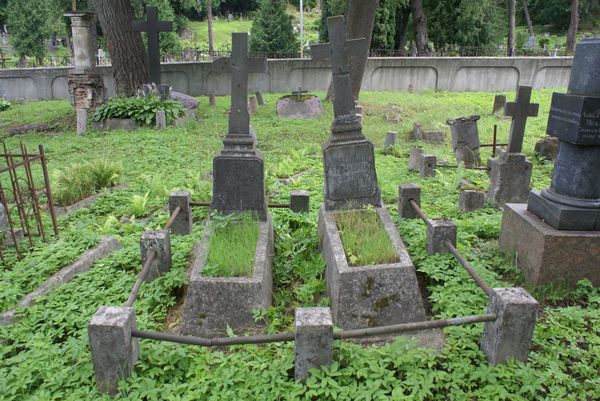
(420, 213)
(271, 205)
(173, 217)
(464, 263)
(141, 277)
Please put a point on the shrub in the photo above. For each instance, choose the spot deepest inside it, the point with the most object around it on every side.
(4, 104)
(272, 30)
(142, 109)
(81, 180)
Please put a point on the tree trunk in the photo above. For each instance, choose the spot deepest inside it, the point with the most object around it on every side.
(572, 34)
(420, 27)
(74, 5)
(402, 33)
(511, 28)
(209, 17)
(527, 17)
(126, 48)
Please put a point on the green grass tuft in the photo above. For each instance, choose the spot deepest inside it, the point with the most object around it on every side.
(365, 240)
(232, 246)
(81, 180)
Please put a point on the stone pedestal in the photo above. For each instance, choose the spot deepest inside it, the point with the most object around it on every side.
(160, 242)
(414, 159)
(86, 88)
(183, 222)
(313, 340)
(510, 175)
(465, 140)
(547, 255)
(471, 200)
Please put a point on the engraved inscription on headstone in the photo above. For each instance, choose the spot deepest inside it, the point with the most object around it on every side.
(575, 119)
(350, 173)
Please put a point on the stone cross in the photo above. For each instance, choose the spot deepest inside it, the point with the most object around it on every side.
(519, 111)
(239, 65)
(298, 94)
(152, 26)
(340, 51)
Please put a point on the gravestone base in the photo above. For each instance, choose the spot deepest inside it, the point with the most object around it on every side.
(213, 303)
(547, 255)
(350, 180)
(236, 178)
(563, 217)
(510, 175)
(369, 296)
(291, 108)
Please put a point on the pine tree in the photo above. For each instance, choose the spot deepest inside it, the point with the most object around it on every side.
(384, 29)
(272, 30)
(29, 26)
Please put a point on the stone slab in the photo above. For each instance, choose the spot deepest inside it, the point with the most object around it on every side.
(290, 108)
(212, 303)
(547, 147)
(187, 101)
(510, 175)
(547, 255)
(369, 296)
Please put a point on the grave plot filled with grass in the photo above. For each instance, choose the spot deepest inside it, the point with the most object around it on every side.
(365, 239)
(232, 246)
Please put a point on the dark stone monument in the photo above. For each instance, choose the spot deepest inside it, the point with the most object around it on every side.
(238, 170)
(510, 173)
(465, 140)
(348, 157)
(152, 26)
(556, 235)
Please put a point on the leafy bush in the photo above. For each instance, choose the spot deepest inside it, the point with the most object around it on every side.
(142, 109)
(4, 104)
(83, 179)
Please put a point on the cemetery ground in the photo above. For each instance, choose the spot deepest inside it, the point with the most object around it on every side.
(45, 355)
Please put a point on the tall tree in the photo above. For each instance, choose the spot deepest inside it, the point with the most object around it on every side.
(29, 25)
(420, 27)
(359, 24)
(572, 34)
(209, 18)
(511, 28)
(272, 30)
(384, 29)
(527, 17)
(126, 48)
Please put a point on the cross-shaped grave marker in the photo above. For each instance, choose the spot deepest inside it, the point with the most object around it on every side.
(340, 51)
(239, 65)
(519, 111)
(152, 26)
(298, 94)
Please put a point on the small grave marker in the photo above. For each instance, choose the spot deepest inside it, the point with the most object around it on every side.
(298, 94)
(519, 110)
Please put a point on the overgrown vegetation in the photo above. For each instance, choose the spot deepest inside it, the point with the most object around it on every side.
(81, 180)
(46, 354)
(4, 104)
(365, 239)
(142, 109)
(232, 246)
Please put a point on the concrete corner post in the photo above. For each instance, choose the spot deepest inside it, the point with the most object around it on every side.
(471, 200)
(314, 340)
(427, 166)
(161, 119)
(82, 121)
(390, 139)
(183, 222)
(160, 242)
(509, 336)
(414, 159)
(114, 351)
(300, 201)
(406, 192)
(438, 231)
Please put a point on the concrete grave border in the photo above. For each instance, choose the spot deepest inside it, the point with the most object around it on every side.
(212, 303)
(85, 202)
(367, 296)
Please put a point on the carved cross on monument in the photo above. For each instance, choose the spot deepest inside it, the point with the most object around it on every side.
(298, 94)
(239, 65)
(519, 111)
(340, 51)
(152, 26)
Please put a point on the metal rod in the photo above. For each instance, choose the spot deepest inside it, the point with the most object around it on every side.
(9, 218)
(173, 217)
(491, 145)
(141, 277)
(466, 168)
(480, 282)
(48, 191)
(214, 342)
(17, 191)
(19, 164)
(272, 205)
(34, 198)
(204, 204)
(495, 135)
(422, 215)
(404, 327)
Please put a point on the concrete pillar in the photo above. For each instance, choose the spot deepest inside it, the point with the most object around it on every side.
(260, 98)
(161, 119)
(414, 160)
(183, 222)
(300, 201)
(82, 120)
(313, 340)
(471, 200)
(252, 105)
(427, 166)
(406, 192)
(438, 231)
(160, 242)
(83, 27)
(509, 336)
(114, 351)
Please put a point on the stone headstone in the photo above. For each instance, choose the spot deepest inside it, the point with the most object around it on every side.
(152, 26)
(161, 119)
(414, 159)
(390, 139)
(465, 140)
(348, 157)
(187, 101)
(499, 104)
(573, 200)
(252, 105)
(519, 111)
(82, 121)
(212, 99)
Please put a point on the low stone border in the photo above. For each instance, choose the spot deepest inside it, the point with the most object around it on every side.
(106, 246)
(61, 211)
(368, 296)
(213, 303)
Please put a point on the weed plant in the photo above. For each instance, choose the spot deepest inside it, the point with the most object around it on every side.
(81, 180)
(232, 246)
(365, 240)
(4, 104)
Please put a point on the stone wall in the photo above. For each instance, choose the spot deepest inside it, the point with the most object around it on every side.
(382, 74)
